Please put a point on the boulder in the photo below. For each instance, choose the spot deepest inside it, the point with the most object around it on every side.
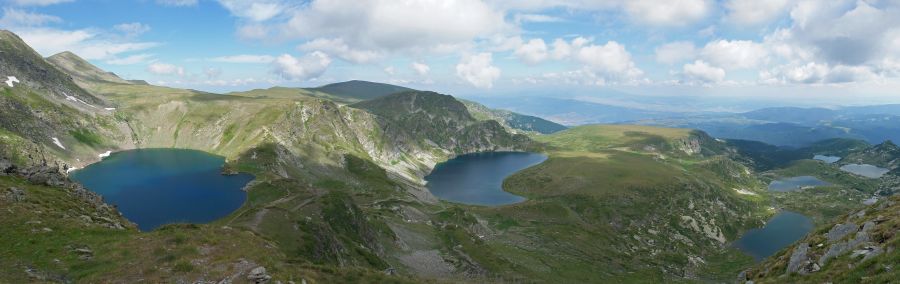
(14, 194)
(258, 275)
(6, 167)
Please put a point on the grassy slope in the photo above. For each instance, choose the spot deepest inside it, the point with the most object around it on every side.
(604, 208)
(170, 254)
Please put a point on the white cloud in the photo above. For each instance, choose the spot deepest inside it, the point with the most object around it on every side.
(178, 3)
(132, 29)
(536, 18)
(212, 73)
(390, 70)
(532, 52)
(421, 68)
(165, 69)
(563, 49)
(477, 70)
(755, 12)
(19, 18)
(244, 58)
(668, 12)
(817, 73)
(392, 25)
(255, 10)
(675, 52)
(610, 59)
(88, 44)
(131, 59)
(736, 54)
(337, 47)
(38, 2)
(702, 72)
(309, 66)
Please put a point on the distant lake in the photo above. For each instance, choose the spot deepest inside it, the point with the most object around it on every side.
(154, 187)
(782, 230)
(865, 170)
(477, 179)
(795, 183)
(827, 159)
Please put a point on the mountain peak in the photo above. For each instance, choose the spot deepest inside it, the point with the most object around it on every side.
(82, 70)
(357, 90)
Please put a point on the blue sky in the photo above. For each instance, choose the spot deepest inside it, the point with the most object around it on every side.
(832, 52)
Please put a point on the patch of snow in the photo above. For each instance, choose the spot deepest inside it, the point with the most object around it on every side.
(104, 155)
(56, 141)
(77, 100)
(870, 201)
(10, 80)
(744, 191)
(110, 108)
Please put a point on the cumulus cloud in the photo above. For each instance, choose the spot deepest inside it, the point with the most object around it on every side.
(668, 12)
(391, 25)
(307, 67)
(177, 3)
(244, 58)
(337, 47)
(700, 71)
(532, 52)
(165, 69)
(755, 12)
(840, 41)
(132, 29)
(38, 2)
(478, 70)
(420, 68)
(734, 54)
(18, 18)
(611, 59)
(675, 52)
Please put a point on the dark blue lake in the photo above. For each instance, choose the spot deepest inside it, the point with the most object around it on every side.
(154, 187)
(782, 230)
(477, 179)
(796, 183)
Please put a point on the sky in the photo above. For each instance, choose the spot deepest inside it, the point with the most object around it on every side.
(836, 52)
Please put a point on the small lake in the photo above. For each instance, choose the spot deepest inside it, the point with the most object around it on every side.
(477, 179)
(865, 170)
(154, 187)
(827, 159)
(782, 230)
(796, 183)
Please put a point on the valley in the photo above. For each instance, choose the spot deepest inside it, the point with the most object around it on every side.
(338, 186)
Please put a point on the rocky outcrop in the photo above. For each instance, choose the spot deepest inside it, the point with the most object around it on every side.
(258, 276)
(840, 251)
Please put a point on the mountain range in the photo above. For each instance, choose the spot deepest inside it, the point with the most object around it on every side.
(340, 197)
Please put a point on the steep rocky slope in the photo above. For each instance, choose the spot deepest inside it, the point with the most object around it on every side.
(860, 247)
